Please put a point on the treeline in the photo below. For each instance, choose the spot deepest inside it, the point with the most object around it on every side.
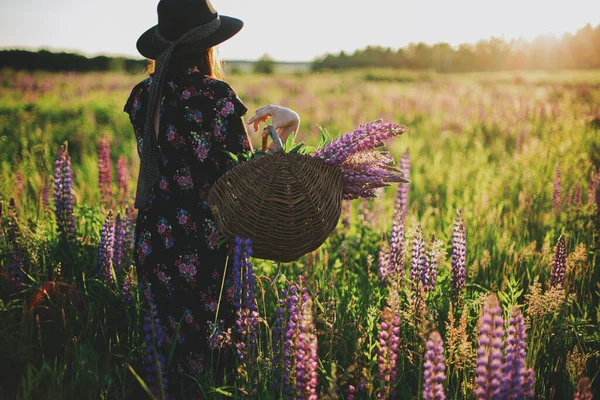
(578, 51)
(48, 61)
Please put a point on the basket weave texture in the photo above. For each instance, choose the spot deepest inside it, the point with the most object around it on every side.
(287, 204)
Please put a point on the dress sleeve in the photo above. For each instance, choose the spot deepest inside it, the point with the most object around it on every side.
(230, 132)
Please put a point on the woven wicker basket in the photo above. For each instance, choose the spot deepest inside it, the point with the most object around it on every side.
(287, 204)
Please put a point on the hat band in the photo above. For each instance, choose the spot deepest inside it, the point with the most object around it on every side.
(149, 171)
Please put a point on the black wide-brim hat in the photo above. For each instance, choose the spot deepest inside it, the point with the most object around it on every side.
(176, 17)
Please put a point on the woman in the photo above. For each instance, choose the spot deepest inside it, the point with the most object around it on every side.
(183, 118)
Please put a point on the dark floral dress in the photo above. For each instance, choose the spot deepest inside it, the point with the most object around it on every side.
(179, 262)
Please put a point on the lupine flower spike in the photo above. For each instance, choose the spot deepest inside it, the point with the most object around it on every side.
(306, 352)
(104, 170)
(244, 300)
(557, 192)
(389, 341)
(584, 390)
(489, 373)
(433, 369)
(106, 250)
(63, 196)
(155, 348)
(459, 257)
(518, 379)
(362, 169)
(418, 263)
(122, 178)
(557, 279)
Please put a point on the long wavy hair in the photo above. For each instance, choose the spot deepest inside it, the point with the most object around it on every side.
(207, 61)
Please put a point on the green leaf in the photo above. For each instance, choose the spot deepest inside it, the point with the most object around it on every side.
(232, 156)
(289, 143)
(297, 148)
(141, 382)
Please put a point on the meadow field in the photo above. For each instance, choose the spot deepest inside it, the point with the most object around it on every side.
(503, 209)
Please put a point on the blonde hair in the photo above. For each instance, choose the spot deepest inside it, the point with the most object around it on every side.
(207, 61)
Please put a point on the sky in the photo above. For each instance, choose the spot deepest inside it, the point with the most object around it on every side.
(292, 30)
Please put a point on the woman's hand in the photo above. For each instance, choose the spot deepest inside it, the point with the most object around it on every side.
(285, 121)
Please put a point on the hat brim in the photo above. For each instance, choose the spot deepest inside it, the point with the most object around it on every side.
(150, 48)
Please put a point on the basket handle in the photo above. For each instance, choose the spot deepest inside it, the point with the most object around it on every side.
(274, 136)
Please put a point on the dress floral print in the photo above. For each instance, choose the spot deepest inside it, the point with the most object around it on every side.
(178, 254)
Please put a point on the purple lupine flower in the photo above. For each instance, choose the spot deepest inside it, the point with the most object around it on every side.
(557, 279)
(279, 341)
(129, 285)
(433, 256)
(418, 262)
(46, 193)
(515, 371)
(63, 197)
(244, 299)
(128, 239)
(106, 250)
(104, 170)
(489, 373)
(306, 352)
(433, 369)
(122, 177)
(366, 137)
(577, 196)
(384, 269)
(592, 186)
(584, 390)
(289, 346)
(351, 392)
(15, 270)
(557, 192)
(396, 257)
(156, 374)
(69, 218)
(58, 189)
(121, 231)
(389, 341)
(402, 196)
(13, 234)
(459, 256)
(365, 171)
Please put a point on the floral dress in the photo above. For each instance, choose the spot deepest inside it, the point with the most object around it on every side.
(178, 257)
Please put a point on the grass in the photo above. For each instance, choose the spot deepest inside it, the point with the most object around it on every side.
(488, 144)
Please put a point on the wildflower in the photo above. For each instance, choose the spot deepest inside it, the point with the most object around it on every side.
(363, 170)
(279, 341)
(433, 255)
(119, 250)
(459, 256)
(384, 261)
(433, 368)
(418, 262)
(389, 341)
(351, 392)
(104, 170)
(63, 196)
(402, 197)
(155, 360)
(396, 254)
(306, 352)
(516, 381)
(16, 263)
(584, 390)
(557, 192)
(106, 250)
(489, 373)
(129, 285)
(557, 279)
(289, 349)
(458, 345)
(592, 186)
(244, 298)
(366, 137)
(122, 177)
